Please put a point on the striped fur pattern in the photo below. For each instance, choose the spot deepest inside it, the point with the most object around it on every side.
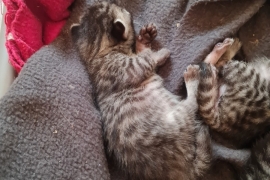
(150, 132)
(233, 96)
(258, 166)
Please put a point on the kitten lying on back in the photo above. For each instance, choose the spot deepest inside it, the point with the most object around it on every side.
(150, 132)
(233, 96)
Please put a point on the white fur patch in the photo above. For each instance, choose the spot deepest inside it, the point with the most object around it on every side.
(222, 89)
(170, 117)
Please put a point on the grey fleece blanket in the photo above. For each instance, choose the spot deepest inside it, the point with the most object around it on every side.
(49, 127)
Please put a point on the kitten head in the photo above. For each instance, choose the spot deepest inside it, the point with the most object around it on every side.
(103, 28)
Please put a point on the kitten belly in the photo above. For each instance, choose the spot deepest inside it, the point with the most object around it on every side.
(170, 117)
(221, 92)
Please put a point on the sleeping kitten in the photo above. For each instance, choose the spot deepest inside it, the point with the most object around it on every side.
(149, 131)
(233, 96)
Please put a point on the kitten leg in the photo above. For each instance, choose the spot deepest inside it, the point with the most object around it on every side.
(208, 92)
(235, 156)
(203, 152)
(230, 53)
(191, 77)
(143, 44)
(223, 52)
(219, 49)
(160, 56)
(203, 148)
(147, 34)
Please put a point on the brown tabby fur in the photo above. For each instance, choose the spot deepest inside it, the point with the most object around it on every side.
(150, 132)
(258, 166)
(233, 97)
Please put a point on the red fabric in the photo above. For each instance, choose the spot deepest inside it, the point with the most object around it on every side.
(32, 24)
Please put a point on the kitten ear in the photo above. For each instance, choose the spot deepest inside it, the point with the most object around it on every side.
(119, 29)
(74, 29)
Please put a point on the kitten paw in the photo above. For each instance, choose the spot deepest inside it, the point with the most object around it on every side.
(147, 34)
(218, 51)
(192, 73)
(230, 53)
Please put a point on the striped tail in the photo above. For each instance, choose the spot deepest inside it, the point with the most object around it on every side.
(208, 94)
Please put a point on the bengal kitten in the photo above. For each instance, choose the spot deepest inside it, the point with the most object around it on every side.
(149, 131)
(233, 96)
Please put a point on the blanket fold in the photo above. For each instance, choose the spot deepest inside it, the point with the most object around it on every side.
(49, 126)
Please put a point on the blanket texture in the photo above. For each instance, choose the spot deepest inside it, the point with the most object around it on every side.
(49, 126)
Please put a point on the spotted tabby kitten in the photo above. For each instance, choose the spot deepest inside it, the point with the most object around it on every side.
(233, 96)
(151, 132)
(233, 99)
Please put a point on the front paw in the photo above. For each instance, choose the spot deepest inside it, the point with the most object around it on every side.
(191, 76)
(192, 73)
(147, 34)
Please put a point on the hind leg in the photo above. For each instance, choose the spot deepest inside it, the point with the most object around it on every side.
(230, 53)
(203, 152)
(191, 77)
(218, 51)
(208, 93)
(208, 85)
(223, 52)
(203, 158)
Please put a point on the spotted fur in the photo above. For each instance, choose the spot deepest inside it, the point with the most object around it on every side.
(150, 132)
(233, 97)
